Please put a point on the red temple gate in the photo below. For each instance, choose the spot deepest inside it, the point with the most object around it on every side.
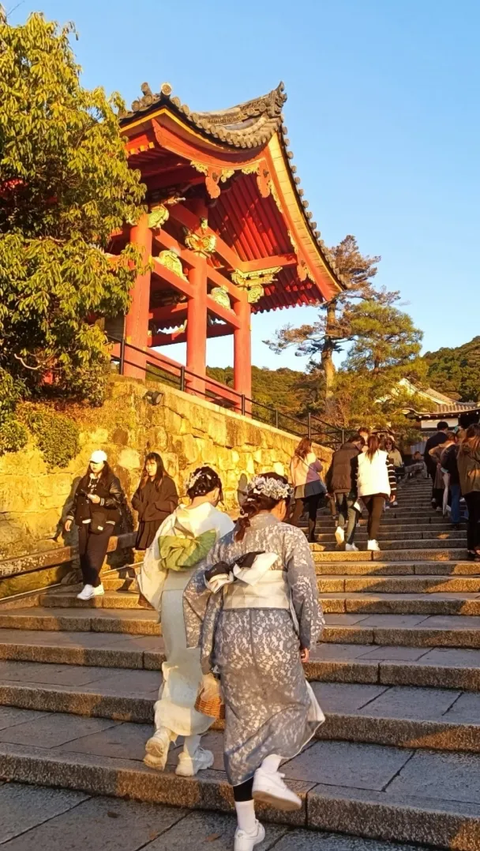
(228, 232)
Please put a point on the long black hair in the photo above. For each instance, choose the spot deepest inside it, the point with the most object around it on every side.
(153, 456)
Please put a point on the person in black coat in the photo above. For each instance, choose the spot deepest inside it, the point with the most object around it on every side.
(435, 440)
(341, 488)
(95, 510)
(155, 498)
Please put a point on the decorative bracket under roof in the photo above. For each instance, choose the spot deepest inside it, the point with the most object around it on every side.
(201, 242)
(254, 282)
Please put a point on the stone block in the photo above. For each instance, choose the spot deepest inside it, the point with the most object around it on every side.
(346, 764)
(53, 730)
(100, 823)
(434, 775)
(25, 807)
(199, 829)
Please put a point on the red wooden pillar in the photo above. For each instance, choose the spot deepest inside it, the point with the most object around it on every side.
(197, 329)
(242, 351)
(136, 320)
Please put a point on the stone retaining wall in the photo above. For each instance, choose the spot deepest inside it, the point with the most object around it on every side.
(185, 430)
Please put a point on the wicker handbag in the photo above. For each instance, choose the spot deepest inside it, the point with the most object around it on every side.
(209, 698)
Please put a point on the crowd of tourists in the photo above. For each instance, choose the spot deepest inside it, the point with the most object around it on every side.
(452, 459)
(238, 600)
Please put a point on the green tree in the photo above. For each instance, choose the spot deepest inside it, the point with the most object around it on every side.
(369, 388)
(456, 371)
(333, 329)
(65, 186)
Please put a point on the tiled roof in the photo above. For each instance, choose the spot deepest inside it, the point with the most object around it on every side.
(247, 125)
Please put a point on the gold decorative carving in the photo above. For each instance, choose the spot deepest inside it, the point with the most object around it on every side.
(226, 173)
(201, 242)
(221, 296)
(275, 197)
(203, 169)
(303, 271)
(254, 282)
(157, 217)
(172, 262)
(251, 168)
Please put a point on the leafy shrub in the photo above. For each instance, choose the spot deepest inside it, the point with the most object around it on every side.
(13, 436)
(57, 436)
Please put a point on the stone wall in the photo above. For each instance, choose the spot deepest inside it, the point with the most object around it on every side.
(185, 430)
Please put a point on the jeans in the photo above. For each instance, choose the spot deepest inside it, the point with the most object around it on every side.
(347, 515)
(92, 549)
(456, 514)
(374, 505)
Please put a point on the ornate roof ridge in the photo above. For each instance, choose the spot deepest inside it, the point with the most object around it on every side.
(246, 125)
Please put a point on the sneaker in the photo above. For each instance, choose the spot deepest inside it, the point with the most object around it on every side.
(270, 789)
(339, 535)
(351, 548)
(88, 592)
(189, 766)
(247, 841)
(372, 546)
(156, 750)
(394, 504)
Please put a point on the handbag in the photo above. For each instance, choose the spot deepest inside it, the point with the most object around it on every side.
(209, 698)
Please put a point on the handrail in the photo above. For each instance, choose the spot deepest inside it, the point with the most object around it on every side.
(222, 394)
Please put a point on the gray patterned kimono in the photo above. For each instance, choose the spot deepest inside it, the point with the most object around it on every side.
(268, 707)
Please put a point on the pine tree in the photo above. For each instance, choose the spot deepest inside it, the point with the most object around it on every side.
(333, 329)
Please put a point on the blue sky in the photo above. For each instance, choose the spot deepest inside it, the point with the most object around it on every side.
(382, 115)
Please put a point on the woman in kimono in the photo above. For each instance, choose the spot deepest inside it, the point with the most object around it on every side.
(182, 541)
(253, 606)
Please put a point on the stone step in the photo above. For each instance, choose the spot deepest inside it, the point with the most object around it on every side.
(388, 535)
(400, 568)
(353, 663)
(437, 719)
(335, 603)
(401, 794)
(417, 554)
(401, 630)
(435, 522)
(411, 542)
(401, 604)
(400, 584)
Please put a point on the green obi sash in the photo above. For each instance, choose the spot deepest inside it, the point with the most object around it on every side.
(181, 553)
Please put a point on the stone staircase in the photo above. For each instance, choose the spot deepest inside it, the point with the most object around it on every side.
(397, 674)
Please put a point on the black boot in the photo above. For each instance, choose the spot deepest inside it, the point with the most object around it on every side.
(311, 531)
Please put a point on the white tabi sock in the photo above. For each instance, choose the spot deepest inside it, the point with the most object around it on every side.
(271, 763)
(192, 743)
(246, 816)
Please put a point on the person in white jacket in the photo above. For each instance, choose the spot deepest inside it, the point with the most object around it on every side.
(182, 541)
(375, 482)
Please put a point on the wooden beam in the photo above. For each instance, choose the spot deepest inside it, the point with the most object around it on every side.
(164, 338)
(269, 262)
(222, 312)
(174, 312)
(175, 281)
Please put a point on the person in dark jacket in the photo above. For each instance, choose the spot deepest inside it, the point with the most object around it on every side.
(449, 463)
(95, 510)
(340, 485)
(432, 442)
(155, 498)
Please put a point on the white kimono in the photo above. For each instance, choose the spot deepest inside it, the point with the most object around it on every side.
(182, 674)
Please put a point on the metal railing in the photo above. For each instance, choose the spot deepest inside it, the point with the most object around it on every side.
(159, 368)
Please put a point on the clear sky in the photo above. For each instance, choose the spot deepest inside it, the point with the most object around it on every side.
(382, 115)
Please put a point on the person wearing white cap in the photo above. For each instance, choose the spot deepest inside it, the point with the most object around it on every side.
(95, 511)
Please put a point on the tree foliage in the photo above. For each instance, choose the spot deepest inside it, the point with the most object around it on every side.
(333, 328)
(65, 186)
(385, 349)
(456, 371)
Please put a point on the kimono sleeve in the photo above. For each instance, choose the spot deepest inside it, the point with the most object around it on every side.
(302, 581)
(197, 596)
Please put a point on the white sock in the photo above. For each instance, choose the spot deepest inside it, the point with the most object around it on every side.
(192, 743)
(271, 763)
(246, 816)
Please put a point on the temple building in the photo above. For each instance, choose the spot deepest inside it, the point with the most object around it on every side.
(228, 234)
